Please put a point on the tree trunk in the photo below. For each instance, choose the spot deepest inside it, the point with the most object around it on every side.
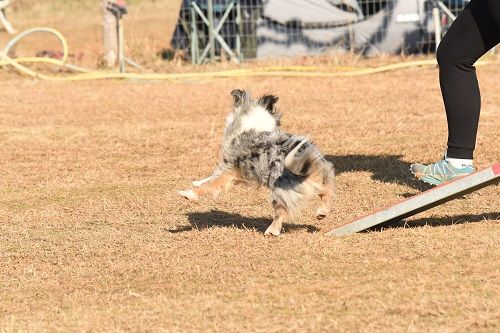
(110, 35)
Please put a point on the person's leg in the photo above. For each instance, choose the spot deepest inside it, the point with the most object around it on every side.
(475, 31)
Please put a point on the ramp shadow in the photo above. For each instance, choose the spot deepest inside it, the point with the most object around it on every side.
(437, 221)
(217, 218)
(385, 168)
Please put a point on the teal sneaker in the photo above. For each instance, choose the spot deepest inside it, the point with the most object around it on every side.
(439, 172)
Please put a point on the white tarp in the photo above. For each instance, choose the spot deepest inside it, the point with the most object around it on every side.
(399, 24)
(307, 12)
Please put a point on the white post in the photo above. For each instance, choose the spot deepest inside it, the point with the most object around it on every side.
(110, 35)
(211, 38)
(121, 46)
(437, 25)
(3, 19)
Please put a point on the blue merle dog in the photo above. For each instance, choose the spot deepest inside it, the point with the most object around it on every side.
(256, 151)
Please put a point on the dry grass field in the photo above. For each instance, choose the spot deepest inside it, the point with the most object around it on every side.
(93, 237)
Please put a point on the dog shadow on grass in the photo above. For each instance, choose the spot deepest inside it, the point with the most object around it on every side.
(217, 218)
(384, 168)
(437, 221)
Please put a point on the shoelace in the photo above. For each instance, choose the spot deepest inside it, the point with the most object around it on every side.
(434, 170)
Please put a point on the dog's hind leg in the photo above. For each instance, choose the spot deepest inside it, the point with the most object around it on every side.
(326, 196)
(281, 215)
(324, 206)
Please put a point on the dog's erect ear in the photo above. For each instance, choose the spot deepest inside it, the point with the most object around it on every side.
(267, 101)
(238, 96)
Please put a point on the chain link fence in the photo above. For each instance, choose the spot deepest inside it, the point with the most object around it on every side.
(247, 29)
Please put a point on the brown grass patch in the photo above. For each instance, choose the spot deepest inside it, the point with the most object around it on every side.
(93, 237)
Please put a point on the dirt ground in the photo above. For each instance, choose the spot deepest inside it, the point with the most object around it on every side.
(94, 238)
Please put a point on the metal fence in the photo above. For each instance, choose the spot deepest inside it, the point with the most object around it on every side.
(246, 29)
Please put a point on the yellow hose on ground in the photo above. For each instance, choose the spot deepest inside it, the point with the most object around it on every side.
(270, 71)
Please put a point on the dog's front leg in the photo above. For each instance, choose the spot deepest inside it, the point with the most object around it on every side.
(198, 183)
(220, 168)
(216, 184)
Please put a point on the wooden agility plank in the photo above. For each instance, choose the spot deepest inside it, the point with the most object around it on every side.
(422, 201)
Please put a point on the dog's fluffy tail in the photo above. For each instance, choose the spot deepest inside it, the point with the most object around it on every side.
(299, 161)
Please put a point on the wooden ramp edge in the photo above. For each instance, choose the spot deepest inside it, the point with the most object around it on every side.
(422, 201)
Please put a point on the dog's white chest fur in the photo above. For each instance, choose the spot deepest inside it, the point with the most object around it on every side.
(259, 120)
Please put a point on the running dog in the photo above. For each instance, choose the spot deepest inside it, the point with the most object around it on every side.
(256, 151)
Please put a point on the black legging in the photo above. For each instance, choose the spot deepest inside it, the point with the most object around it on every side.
(475, 31)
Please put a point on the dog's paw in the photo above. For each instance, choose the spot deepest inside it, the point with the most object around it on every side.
(190, 195)
(321, 213)
(271, 230)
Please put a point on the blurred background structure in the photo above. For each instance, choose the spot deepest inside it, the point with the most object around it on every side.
(3, 19)
(246, 29)
(202, 31)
